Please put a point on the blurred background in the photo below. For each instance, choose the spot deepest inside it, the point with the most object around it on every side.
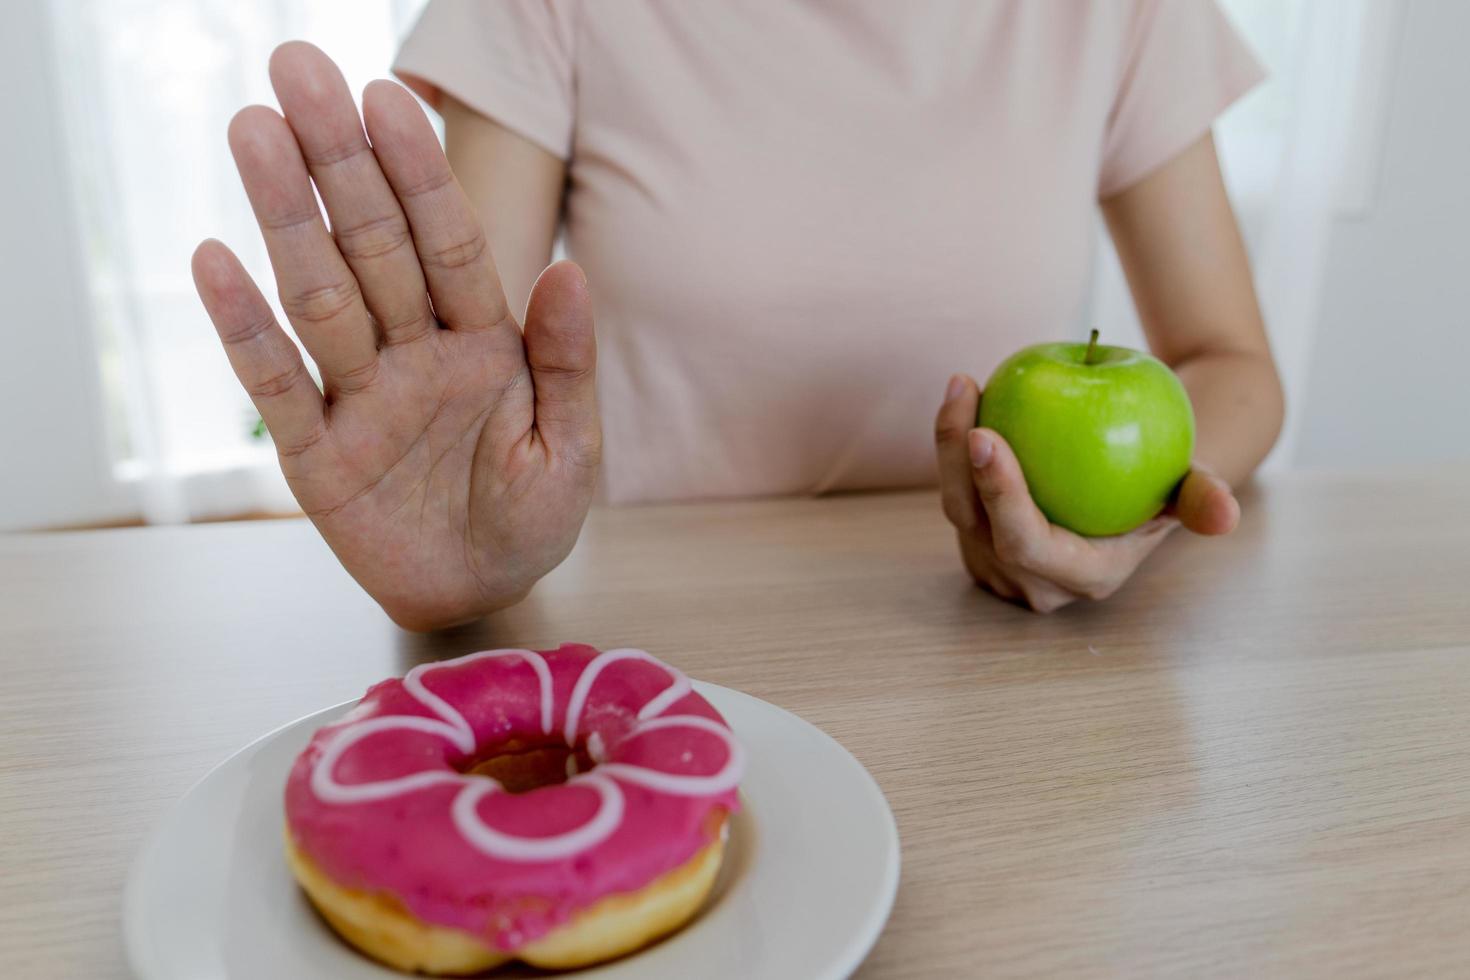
(1348, 169)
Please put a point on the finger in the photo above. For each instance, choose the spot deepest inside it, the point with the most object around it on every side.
(1014, 586)
(368, 226)
(980, 563)
(1045, 598)
(561, 350)
(264, 359)
(1205, 504)
(951, 429)
(318, 291)
(447, 232)
(1021, 536)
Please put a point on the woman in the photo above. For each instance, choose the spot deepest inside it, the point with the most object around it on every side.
(797, 219)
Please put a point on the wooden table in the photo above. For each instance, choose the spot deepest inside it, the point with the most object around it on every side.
(1253, 761)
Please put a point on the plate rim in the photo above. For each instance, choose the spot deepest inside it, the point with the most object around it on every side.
(134, 920)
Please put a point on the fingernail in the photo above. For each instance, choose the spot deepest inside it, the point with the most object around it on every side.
(981, 448)
(956, 386)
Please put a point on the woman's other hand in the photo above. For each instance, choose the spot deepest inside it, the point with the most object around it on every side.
(1008, 545)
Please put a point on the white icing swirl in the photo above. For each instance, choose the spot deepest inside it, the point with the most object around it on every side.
(678, 785)
(583, 688)
(452, 726)
(413, 682)
(324, 784)
(609, 814)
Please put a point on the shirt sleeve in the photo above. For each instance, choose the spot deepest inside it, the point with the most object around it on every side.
(510, 60)
(1184, 65)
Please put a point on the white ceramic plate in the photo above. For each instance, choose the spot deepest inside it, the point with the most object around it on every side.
(809, 877)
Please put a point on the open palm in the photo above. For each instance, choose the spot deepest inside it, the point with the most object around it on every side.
(450, 457)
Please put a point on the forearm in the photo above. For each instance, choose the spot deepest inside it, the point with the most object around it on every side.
(515, 185)
(1238, 409)
(1187, 268)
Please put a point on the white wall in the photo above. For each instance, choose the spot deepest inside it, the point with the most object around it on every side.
(1389, 382)
(54, 467)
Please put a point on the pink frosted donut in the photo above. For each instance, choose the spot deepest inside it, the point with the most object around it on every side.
(382, 804)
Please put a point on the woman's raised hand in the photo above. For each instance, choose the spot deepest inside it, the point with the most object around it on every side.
(450, 457)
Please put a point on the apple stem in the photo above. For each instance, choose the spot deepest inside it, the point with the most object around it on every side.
(1091, 356)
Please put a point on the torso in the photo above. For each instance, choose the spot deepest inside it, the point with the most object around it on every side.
(791, 246)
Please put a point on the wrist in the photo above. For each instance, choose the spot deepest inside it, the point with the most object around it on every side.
(418, 616)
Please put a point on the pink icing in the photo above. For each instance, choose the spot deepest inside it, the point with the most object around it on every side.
(377, 800)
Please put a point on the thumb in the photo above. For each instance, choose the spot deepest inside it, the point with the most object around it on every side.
(1205, 504)
(562, 354)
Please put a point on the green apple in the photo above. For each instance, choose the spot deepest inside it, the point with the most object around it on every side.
(1103, 434)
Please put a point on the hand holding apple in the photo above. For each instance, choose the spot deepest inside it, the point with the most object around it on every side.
(1010, 547)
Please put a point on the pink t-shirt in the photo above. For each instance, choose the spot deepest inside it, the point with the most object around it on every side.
(799, 218)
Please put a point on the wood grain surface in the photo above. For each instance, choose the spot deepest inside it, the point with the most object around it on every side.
(1255, 760)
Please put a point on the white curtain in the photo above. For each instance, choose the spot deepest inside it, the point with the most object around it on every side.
(151, 84)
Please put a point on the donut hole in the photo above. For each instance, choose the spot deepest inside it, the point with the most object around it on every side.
(520, 766)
